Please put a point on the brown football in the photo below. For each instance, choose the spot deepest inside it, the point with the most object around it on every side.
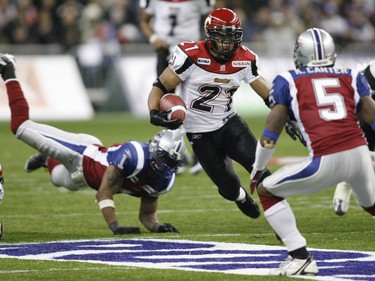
(175, 104)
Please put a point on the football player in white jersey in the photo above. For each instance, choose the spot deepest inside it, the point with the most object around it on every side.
(324, 101)
(343, 192)
(166, 23)
(76, 161)
(209, 73)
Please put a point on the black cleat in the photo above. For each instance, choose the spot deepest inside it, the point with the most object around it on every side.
(35, 162)
(249, 207)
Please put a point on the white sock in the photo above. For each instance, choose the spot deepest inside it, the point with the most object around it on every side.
(242, 195)
(282, 220)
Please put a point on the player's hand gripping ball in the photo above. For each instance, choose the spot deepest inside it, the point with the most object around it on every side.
(176, 106)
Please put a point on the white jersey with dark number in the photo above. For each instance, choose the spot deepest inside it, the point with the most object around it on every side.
(177, 20)
(208, 86)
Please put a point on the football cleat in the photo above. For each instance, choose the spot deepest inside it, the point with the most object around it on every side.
(35, 162)
(249, 207)
(341, 198)
(293, 266)
(1, 230)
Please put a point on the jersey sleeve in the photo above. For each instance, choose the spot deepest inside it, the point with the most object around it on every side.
(280, 91)
(129, 159)
(178, 60)
(253, 70)
(362, 85)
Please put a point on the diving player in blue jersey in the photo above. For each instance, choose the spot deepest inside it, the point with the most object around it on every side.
(76, 161)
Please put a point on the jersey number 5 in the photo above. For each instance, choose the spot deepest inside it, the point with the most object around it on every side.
(325, 99)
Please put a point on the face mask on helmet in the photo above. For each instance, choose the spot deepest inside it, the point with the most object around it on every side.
(314, 47)
(223, 32)
(165, 151)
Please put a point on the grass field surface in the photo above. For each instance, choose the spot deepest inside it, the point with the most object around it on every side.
(35, 211)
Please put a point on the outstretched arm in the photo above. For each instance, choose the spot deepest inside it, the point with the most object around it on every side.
(110, 185)
(261, 87)
(266, 145)
(148, 216)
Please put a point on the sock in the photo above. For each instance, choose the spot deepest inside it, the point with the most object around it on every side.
(18, 105)
(242, 194)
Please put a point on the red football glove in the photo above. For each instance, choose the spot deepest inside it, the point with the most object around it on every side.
(255, 175)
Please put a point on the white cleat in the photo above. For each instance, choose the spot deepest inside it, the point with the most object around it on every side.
(293, 266)
(341, 198)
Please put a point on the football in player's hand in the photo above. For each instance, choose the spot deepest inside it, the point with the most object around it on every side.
(175, 104)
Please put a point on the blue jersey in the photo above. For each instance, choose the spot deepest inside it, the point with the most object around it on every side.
(324, 102)
(132, 161)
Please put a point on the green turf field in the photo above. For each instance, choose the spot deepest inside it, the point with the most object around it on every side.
(35, 211)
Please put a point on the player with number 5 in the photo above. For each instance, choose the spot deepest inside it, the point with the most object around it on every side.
(324, 101)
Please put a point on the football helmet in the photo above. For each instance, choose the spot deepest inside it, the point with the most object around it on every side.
(165, 151)
(314, 47)
(223, 32)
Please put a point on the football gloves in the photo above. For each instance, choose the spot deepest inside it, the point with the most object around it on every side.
(293, 131)
(254, 178)
(126, 230)
(160, 118)
(165, 227)
(7, 63)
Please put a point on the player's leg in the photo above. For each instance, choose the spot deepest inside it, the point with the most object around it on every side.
(189, 159)
(64, 146)
(60, 176)
(210, 153)
(362, 180)
(239, 144)
(343, 191)
(341, 198)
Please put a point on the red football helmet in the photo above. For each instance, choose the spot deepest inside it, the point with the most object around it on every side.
(223, 32)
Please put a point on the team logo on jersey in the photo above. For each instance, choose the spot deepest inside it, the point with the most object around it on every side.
(196, 136)
(204, 61)
(221, 80)
(232, 258)
(241, 63)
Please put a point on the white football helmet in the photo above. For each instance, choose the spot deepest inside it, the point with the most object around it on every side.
(165, 151)
(314, 47)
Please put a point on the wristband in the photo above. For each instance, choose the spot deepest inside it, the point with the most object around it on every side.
(270, 135)
(106, 203)
(153, 38)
